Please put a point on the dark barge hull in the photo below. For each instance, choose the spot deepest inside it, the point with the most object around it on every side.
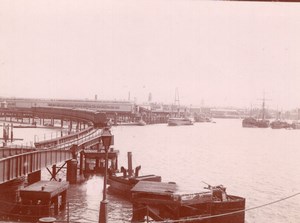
(214, 212)
(161, 201)
(254, 123)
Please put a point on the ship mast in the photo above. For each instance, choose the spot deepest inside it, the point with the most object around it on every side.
(263, 106)
(177, 102)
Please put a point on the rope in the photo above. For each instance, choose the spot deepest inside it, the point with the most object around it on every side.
(186, 219)
(234, 212)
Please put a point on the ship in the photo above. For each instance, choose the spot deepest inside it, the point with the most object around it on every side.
(162, 201)
(180, 119)
(251, 122)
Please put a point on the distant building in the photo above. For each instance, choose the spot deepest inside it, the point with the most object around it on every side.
(225, 113)
(111, 106)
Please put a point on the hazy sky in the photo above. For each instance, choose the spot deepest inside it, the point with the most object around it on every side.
(221, 53)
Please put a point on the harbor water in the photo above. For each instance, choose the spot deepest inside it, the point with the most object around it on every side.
(261, 165)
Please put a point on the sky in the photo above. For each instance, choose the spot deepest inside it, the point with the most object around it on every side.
(216, 53)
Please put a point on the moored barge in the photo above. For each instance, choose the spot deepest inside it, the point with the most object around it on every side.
(122, 182)
(163, 201)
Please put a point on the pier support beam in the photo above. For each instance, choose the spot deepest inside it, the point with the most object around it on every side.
(63, 200)
(70, 126)
(115, 119)
(72, 171)
(129, 157)
(56, 206)
(81, 163)
(53, 172)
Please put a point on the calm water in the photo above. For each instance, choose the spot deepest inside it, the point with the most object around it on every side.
(261, 165)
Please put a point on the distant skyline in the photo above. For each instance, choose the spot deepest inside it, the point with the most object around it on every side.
(218, 53)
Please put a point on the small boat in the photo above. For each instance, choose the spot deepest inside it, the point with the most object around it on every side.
(278, 124)
(251, 122)
(137, 122)
(295, 125)
(164, 201)
(121, 183)
(180, 121)
(202, 118)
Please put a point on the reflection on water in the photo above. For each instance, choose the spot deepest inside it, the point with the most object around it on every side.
(84, 203)
(261, 165)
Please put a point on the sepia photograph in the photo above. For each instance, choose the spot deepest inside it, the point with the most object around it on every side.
(172, 111)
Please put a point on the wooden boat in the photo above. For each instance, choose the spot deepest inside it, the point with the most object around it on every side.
(162, 201)
(122, 183)
(137, 123)
(296, 125)
(202, 118)
(278, 124)
(180, 121)
(251, 122)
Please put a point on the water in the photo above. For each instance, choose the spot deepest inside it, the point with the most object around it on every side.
(261, 165)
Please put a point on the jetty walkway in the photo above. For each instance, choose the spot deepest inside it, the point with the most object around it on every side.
(18, 162)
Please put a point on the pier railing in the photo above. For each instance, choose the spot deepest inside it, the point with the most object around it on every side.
(64, 139)
(14, 150)
(20, 165)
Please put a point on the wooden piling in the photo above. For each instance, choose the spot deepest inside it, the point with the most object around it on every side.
(72, 171)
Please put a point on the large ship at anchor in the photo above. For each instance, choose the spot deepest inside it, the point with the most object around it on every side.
(180, 119)
(251, 122)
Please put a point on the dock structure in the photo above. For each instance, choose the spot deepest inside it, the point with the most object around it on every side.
(42, 199)
(94, 160)
(163, 201)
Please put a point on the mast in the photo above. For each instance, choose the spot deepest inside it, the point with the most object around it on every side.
(177, 102)
(263, 106)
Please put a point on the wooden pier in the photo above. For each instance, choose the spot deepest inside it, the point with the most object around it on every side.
(42, 198)
(94, 160)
